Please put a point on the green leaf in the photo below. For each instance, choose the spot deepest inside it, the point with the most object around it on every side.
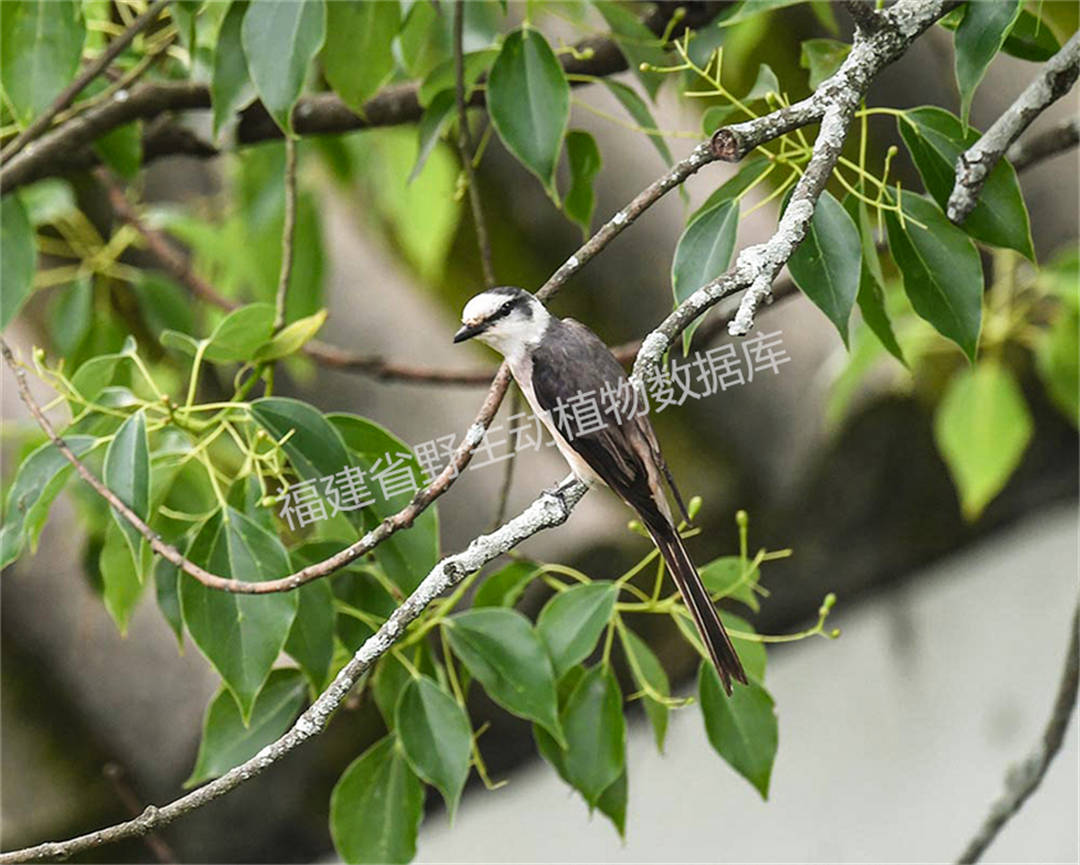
(725, 578)
(314, 449)
(242, 331)
(982, 428)
(573, 620)
(127, 473)
(750, 171)
(649, 675)
(529, 102)
(751, 652)
(585, 162)
(406, 557)
(612, 803)
(741, 728)
(595, 734)
(637, 43)
(291, 338)
(311, 637)
(503, 652)
(941, 270)
(442, 78)
(376, 807)
(38, 481)
(355, 31)
(280, 40)
(92, 377)
(822, 57)
(703, 253)
(871, 296)
(935, 139)
(18, 254)
(240, 634)
(121, 149)
(1056, 360)
(230, 84)
(1031, 39)
(120, 577)
(504, 587)
(765, 83)
(637, 108)
(978, 39)
(430, 129)
(437, 737)
(41, 42)
(167, 593)
(228, 741)
(827, 265)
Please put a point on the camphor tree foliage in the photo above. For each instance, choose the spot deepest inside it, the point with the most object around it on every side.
(164, 372)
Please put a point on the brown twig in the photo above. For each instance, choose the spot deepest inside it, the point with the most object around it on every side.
(115, 773)
(1022, 780)
(92, 71)
(288, 234)
(1033, 149)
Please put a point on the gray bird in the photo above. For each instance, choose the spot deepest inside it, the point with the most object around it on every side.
(554, 360)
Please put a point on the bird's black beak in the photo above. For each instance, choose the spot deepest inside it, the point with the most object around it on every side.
(468, 331)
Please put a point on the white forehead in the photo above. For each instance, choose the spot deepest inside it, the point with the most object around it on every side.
(483, 305)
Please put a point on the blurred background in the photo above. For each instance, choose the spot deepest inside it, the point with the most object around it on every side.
(894, 739)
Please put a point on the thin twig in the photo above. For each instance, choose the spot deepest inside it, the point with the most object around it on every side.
(466, 149)
(1033, 149)
(973, 166)
(548, 510)
(288, 234)
(92, 71)
(1023, 779)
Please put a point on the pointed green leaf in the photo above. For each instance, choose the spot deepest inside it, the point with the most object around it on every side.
(18, 255)
(228, 741)
(741, 728)
(982, 428)
(442, 78)
(871, 296)
(725, 577)
(595, 734)
(572, 621)
(703, 253)
(280, 40)
(978, 39)
(314, 449)
(376, 807)
(230, 85)
(941, 270)
(120, 577)
(437, 737)
(650, 676)
(504, 587)
(503, 652)
(935, 139)
(311, 637)
(584, 158)
(1056, 359)
(827, 265)
(242, 331)
(1031, 39)
(167, 593)
(638, 44)
(291, 338)
(121, 149)
(765, 83)
(430, 128)
(240, 634)
(355, 31)
(41, 42)
(127, 473)
(612, 803)
(529, 102)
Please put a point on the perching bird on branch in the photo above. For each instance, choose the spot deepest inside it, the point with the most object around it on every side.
(561, 366)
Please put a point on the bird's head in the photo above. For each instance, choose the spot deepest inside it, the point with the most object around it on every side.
(506, 318)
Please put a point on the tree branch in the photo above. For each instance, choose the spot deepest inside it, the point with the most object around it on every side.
(973, 167)
(92, 71)
(834, 102)
(288, 234)
(549, 510)
(1033, 149)
(1023, 779)
(67, 147)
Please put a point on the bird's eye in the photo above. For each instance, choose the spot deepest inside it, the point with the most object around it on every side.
(506, 307)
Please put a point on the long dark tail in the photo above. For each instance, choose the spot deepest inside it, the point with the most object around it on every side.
(697, 600)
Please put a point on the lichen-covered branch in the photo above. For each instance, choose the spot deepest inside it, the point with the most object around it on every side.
(973, 166)
(1024, 778)
(550, 509)
(837, 98)
(1033, 149)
